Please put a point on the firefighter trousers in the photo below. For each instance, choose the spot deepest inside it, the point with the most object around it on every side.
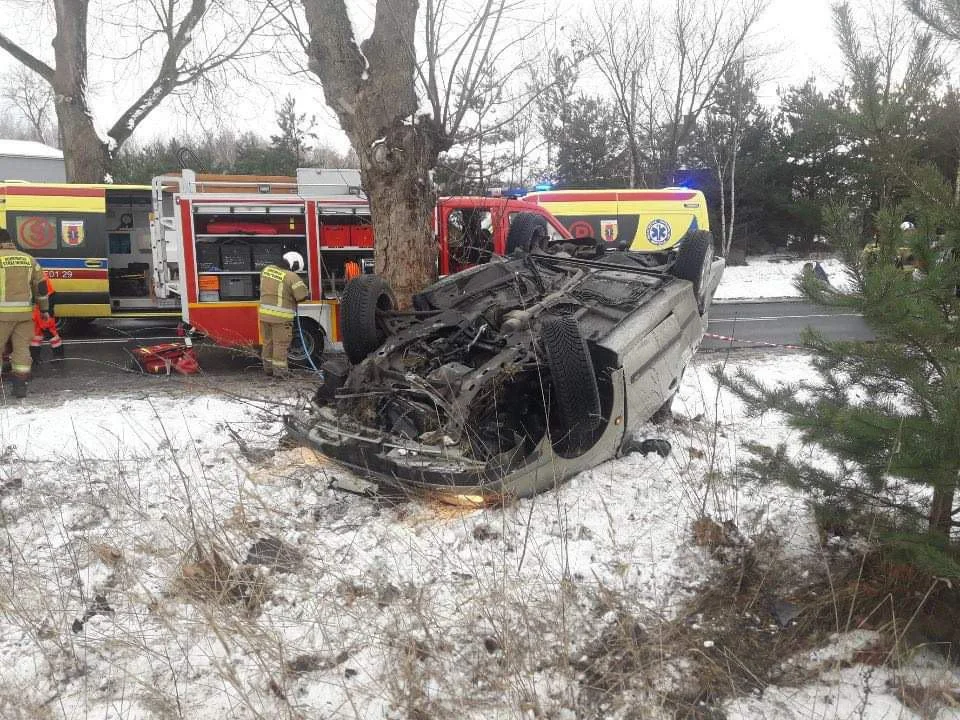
(276, 337)
(20, 333)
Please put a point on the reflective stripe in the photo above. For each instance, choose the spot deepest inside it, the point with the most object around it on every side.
(274, 273)
(20, 369)
(16, 261)
(276, 311)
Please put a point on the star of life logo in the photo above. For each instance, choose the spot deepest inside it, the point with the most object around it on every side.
(658, 232)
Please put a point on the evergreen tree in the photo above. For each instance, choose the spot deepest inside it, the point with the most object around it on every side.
(888, 410)
(815, 145)
(591, 152)
(292, 143)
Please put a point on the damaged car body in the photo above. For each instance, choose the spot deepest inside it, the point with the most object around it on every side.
(509, 377)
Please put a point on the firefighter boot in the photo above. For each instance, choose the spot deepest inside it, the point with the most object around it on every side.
(35, 357)
(19, 387)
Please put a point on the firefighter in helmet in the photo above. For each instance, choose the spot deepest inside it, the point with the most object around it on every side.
(280, 291)
(20, 288)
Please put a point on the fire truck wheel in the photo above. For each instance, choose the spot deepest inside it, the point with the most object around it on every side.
(301, 352)
(528, 231)
(364, 300)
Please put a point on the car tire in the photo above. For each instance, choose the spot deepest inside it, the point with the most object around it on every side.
(694, 258)
(575, 392)
(363, 299)
(313, 338)
(528, 231)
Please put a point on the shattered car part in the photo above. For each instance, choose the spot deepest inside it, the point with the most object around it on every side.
(509, 377)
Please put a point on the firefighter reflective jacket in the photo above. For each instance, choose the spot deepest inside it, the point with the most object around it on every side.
(20, 279)
(280, 291)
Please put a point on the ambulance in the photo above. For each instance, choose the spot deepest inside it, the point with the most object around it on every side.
(94, 242)
(642, 220)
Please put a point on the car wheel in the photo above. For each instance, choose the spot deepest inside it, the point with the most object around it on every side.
(364, 298)
(575, 392)
(694, 258)
(528, 231)
(307, 349)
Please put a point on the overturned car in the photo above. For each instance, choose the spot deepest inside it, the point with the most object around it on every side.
(512, 376)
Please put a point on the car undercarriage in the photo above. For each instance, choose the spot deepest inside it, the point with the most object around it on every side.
(509, 377)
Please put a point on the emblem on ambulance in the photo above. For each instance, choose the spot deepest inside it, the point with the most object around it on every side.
(658, 232)
(608, 230)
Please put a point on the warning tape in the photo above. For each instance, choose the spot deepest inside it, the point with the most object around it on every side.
(759, 343)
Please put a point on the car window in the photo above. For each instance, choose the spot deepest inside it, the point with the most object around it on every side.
(469, 235)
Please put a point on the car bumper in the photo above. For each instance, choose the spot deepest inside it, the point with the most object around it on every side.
(396, 464)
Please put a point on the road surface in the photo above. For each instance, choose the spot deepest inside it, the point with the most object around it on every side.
(777, 323)
(99, 359)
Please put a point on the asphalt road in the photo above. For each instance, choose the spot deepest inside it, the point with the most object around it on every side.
(777, 323)
(98, 358)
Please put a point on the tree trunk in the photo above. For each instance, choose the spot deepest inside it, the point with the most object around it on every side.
(941, 510)
(396, 176)
(728, 234)
(371, 87)
(85, 155)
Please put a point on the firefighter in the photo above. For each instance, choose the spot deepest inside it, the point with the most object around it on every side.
(20, 288)
(280, 291)
(43, 327)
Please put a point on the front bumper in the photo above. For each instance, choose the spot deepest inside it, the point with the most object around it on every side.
(397, 464)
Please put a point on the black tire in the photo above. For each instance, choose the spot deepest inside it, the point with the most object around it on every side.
(528, 231)
(693, 263)
(575, 394)
(363, 299)
(310, 348)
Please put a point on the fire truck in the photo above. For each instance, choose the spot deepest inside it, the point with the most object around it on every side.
(213, 234)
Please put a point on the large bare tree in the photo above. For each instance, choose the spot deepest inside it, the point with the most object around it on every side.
(663, 63)
(403, 95)
(162, 46)
(33, 98)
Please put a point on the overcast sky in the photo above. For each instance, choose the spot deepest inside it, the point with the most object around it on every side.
(798, 32)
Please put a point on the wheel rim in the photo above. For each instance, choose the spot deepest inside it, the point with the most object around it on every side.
(299, 351)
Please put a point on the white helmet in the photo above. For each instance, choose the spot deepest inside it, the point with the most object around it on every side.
(294, 260)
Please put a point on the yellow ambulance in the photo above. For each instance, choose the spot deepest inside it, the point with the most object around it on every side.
(641, 220)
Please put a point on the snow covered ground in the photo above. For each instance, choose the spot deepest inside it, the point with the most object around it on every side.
(164, 556)
(772, 278)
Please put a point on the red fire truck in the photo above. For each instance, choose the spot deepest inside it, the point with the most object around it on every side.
(213, 234)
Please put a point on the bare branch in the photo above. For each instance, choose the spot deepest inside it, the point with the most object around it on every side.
(25, 58)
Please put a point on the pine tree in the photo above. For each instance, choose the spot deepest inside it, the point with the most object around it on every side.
(296, 129)
(889, 410)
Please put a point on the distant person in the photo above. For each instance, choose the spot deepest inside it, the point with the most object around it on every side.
(20, 289)
(820, 274)
(280, 292)
(816, 271)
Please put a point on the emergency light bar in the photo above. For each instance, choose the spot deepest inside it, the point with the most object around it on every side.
(507, 192)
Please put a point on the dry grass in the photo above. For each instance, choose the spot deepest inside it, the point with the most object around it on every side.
(403, 610)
